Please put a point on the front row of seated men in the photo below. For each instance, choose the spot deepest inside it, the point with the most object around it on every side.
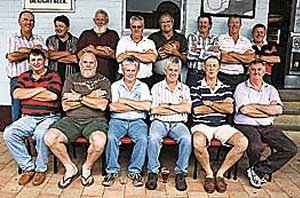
(86, 95)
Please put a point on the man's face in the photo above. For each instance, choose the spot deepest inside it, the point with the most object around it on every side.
(100, 20)
(234, 26)
(26, 22)
(256, 71)
(88, 65)
(203, 25)
(172, 72)
(130, 72)
(166, 23)
(61, 29)
(37, 62)
(137, 28)
(211, 68)
(259, 34)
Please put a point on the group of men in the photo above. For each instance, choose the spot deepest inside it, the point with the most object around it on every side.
(79, 76)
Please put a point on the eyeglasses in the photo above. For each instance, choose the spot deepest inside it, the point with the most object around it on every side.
(136, 26)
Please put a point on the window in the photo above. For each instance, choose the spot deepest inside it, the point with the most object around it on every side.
(151, 9)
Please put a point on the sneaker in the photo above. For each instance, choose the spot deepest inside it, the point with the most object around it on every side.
(109, 179)
(137, 179)
(180, 183)
(254, 179)
(151, 183)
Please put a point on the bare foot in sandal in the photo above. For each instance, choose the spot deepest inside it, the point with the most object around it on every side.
(70, 175)
(86, 177)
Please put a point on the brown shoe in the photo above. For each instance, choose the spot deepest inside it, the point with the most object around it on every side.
(39, 178)
(221, 186)
(26, 177)
(209, 185)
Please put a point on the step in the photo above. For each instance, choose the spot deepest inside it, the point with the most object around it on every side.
(289, 94)
(288, 122)
(292, 107)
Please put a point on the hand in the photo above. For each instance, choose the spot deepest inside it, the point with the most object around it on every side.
(73, 96)
(207, 103)
(215, 48)
(98, 93)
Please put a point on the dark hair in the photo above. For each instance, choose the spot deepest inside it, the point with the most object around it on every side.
(205, 16)
(256, 62)
(36, 52)
(165, 13)
(234, 16)
(63, 19)
(23, 12)
(259, 25)
(212, 57)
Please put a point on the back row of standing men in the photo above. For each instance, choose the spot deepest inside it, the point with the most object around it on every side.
(85, 92)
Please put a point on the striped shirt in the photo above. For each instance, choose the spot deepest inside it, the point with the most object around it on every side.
(196, 60)
(202, 92)
(15, 42)
(227, 44)
(161, 93)
(49, 80)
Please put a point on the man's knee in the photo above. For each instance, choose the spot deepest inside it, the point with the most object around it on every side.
(98, 140)
(199, 142)
(53, 136)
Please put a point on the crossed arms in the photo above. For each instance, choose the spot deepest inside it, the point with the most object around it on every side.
(169, 108)
(262, 110)
(145, 57)
(38, 93)
(224, 106)
(125, 105)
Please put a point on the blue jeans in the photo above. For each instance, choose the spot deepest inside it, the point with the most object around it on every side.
(15, 104)
(138, 131)
(18, 131)
(179, 132)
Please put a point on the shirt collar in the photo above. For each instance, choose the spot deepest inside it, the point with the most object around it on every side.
(204, 83)
(137, 83)
(248, 84)
(178, 86)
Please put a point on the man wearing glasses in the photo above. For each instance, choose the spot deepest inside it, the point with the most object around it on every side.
(139, 47)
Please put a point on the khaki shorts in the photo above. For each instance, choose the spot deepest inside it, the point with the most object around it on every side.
(222, 133)
(74, 129)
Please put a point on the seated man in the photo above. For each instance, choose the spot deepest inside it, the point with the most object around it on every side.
(130, 102)
(257, 104)
(38, 90)
(211, 101)
(84, 99)
(170, 106)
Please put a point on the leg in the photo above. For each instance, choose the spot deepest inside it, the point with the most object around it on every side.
(183, 137)
(285, 150)
(239, 144)
(156, 133)
(116, 131)
(15, 104)
(138, 131)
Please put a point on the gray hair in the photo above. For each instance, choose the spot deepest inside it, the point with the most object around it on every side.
(131, 60)
(136, 18)
(173, 60)
(101, 11)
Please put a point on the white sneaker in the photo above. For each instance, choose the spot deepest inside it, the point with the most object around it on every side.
(254, 179)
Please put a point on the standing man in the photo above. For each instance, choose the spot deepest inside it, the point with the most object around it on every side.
(236, 51)
(199, 46)
(139, 47)
(257, 104)
(62, 48)
(38, 90)
(102, 41)
(20, 45)
(130, 102)
(84, 99)
(170, 106)
(212, 101)
(168, 43)
(264, 51)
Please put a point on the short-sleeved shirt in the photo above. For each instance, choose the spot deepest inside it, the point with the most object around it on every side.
(127, 44)
(227, 44)
(49, 80)
(106, 66)
(139, 92)
(196, 60)
(246, 94)
(85, 86)
(161, 93)
(70, 45)
(16, 41)
(202, 91)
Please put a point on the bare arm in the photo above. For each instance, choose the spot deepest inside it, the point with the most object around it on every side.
(262, 110)
(26, 93)
(146, 57)
(246, 57)
(135, 104)
(225, 106)
(101, 51)
(270, 59)
(169, 109)
(46, 96)
(120, 107)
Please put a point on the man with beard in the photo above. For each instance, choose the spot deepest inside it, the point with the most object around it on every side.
(20, 45)
(62, 48)
(165, 45)
(84, 99)
(236, 51)
(139, 47)
(199, 48)
(102, 41)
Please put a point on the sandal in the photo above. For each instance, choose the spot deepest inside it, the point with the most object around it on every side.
(87, 181)
(65, 182)
(221, 186)
(209, 185)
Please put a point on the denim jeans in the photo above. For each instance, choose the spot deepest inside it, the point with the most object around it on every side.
(16, 133)
(138, 131)
(15, 104)
(176, 130)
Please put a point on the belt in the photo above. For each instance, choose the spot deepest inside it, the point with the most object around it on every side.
(43, 114)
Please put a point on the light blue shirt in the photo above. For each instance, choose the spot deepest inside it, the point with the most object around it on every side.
(139, 92)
